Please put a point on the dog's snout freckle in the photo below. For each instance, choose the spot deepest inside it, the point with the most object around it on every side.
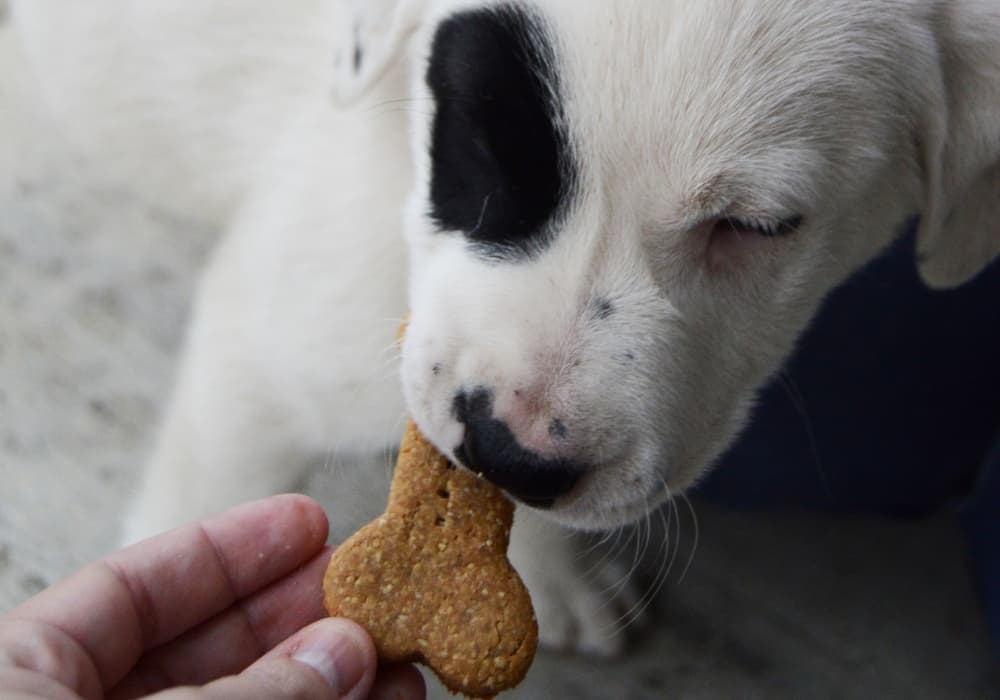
(627, 356)
(436, 369)
(557, 429)
(603, 309)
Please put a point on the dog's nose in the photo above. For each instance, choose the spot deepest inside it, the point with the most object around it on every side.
(491, 449)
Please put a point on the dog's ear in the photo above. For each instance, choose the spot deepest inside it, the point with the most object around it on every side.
(371, 35)
(960, 227)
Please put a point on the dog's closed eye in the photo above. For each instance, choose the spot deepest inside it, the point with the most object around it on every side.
(769, 228)
(732, 237)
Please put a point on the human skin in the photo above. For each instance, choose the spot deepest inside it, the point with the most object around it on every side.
(230, 606)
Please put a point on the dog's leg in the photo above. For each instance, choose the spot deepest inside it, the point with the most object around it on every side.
(226, 438)
(584, 597)
(292, 353)
(205, 461)
(263, 393)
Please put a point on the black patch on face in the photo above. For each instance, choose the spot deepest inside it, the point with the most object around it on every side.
(501, 166)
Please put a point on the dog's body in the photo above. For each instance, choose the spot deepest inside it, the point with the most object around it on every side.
(620, 217)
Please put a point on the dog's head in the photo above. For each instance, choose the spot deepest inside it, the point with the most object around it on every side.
(627, 212)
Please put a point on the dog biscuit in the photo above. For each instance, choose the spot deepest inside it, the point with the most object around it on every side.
(430, 579)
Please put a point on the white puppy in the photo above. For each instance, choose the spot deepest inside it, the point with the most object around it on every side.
(620, 216)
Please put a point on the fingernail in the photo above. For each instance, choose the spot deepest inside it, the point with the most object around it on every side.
(336, 654)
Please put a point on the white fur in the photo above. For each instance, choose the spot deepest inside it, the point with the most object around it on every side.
(853, 113)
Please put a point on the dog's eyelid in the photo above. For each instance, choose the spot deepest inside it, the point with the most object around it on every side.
(765, 226)
(770, 221)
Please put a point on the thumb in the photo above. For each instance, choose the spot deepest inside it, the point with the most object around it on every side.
(333, 659)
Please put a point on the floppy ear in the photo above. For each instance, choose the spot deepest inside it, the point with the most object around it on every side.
(371, 35)
(960, 227)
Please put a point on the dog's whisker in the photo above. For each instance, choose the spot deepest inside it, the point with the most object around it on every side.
(673, 541)
(482, 214)
(611, 553)
(390, 353)
(389, 451)
(614, 591)
(638, 607)
(799, 403)
(403, 100)
(591, 571)
(328, 459)
(389, 364)
(397, 107)
(597, 543)
(636, 611)
(607, 561)
(606, 536)
(695, 535)
(397, 103)
(399, 110)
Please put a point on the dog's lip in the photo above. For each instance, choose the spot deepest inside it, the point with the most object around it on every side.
(582, 507)
(543, 504)
(545, 483)
(593, 472)
(607, 518)
(630, 453)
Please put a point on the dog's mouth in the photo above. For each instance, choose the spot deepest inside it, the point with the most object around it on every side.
(491, 448)
(585, 494)
(588, 469)
(618, 493)
(536, 481)
(574, 496)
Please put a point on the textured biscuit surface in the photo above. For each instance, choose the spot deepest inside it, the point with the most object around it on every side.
(430, 579)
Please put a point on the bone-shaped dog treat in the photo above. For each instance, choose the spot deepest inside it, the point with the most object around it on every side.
(430, 579)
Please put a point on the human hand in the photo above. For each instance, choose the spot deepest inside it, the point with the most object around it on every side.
(211, 610)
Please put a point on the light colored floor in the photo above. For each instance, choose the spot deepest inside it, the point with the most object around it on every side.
(94, 288)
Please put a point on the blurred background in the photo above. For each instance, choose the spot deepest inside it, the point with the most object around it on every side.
(773, 600)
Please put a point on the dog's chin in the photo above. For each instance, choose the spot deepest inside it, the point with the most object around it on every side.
(601, 512)
(602, 517)
(616, 496)
(624, 492)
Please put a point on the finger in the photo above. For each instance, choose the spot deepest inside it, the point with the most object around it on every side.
(41, 660)
(18, 684)
(333, 659)
(234, 639)
(152, 592)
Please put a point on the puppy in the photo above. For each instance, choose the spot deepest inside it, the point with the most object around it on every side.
(619, 217)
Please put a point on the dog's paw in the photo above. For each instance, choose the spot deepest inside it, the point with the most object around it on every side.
(585, 602)
(588, 613)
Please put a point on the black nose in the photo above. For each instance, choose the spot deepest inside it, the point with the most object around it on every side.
(490, 448)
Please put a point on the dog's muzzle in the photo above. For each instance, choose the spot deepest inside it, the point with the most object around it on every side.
(492, 450)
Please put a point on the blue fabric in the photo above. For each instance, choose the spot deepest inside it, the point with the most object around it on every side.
(890, 405)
